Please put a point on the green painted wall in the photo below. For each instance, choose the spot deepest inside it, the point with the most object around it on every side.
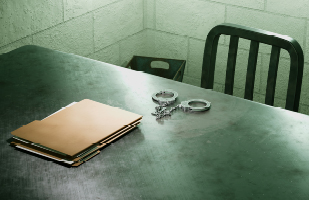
(114, 30)
(90, 28)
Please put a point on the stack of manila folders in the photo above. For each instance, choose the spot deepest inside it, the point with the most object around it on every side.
(75, 133)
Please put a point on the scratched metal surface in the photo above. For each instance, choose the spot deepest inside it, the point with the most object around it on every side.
(236, 150)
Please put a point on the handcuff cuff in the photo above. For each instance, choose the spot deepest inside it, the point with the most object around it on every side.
(161, 110)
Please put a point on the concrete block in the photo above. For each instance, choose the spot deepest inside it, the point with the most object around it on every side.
(256, 4)
(191, 81)
(193, 18)
(109, 54)
(297, 8)
(74, 8)
(19, 19)
(117, 21)
(17, 44)
(304, 96)
(195, 57)
(239, 92)
(74, 36)
(257, 97)
(99, 3)
(134, 45)
(15, 21)
(304, 109)
(306, 50)
(277, 23)
(218, 87)
(149, 14)
(278, 102)
(167, 45)
(45, 13)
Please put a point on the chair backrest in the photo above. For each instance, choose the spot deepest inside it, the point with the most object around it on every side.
(256, 36)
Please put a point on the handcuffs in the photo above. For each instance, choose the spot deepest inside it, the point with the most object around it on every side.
(161, 110)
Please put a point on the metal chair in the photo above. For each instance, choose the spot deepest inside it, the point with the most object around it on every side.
(256, 36)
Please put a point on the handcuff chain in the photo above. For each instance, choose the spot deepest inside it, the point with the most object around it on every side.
(162, 112)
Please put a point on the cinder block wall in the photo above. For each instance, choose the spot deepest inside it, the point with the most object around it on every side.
(90, 28)
(114, 30)
(178, 29)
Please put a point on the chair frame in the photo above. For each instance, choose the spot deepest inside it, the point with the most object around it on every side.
(256, 36)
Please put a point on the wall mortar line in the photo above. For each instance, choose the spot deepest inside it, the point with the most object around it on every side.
(155, 14)
(63, 10)
(93, 40)
(305, 37)
(188, 53)
(145, 14)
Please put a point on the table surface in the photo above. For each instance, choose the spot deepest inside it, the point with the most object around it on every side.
(239, 149)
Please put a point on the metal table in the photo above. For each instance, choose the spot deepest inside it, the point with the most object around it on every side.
(239, 149)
